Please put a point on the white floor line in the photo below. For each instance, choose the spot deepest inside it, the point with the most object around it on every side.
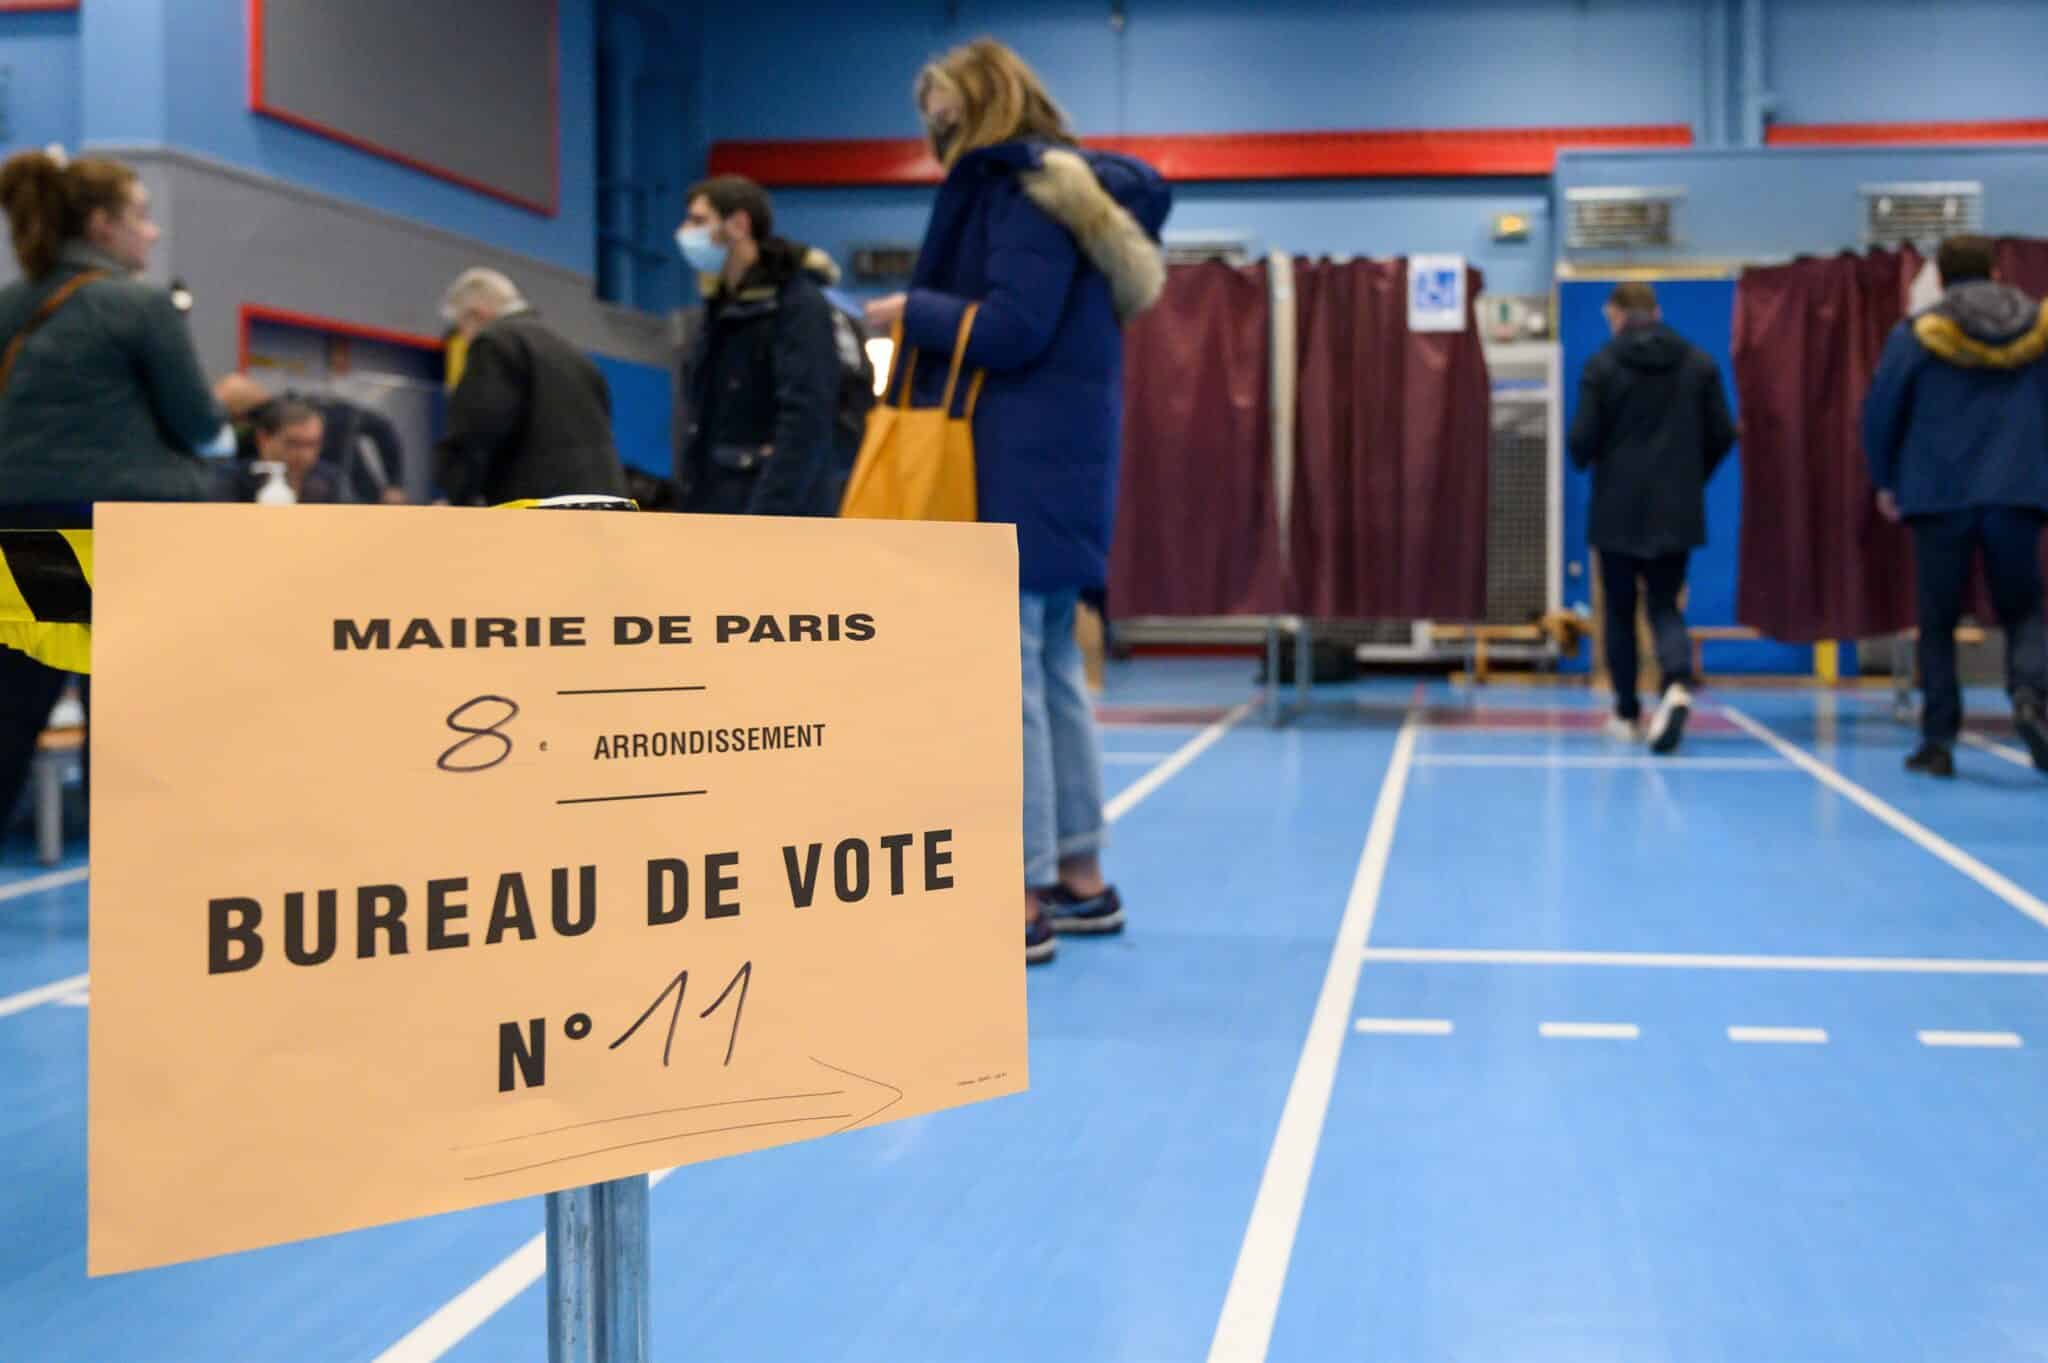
(1140, 789)
(1133, 759)
(1562, 760)
(522, 1268)
(55, 880)
(1402, 1026)
(2001, 1041)
(2012, 755)
(1585, 731)
(1779, 1036)
(1919, 833)
(1589, 1031)
(1244, 1330)
(58, 991)
(481, 1300)
(53, 992)
(1673, 960)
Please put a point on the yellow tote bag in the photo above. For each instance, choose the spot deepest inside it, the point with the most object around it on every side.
(917, 463)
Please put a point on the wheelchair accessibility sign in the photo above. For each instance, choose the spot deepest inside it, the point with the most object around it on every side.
(1436, 293)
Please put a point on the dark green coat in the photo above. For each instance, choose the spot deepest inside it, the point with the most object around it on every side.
(107, 399)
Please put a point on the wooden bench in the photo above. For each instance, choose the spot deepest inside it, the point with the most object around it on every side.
(1478, 638)
(55, 748)
(1703, 635)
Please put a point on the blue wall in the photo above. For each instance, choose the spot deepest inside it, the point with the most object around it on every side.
(1756, 205)
(175, 72)
(1219, 66)
(1887, 61)
(643, 400)
(42, 54)
(650, 147)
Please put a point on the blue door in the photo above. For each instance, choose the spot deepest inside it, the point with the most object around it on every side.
(1703, 311)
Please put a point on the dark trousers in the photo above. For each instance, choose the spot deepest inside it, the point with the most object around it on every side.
(27, 691)
(1664, 577)
(1943, 548)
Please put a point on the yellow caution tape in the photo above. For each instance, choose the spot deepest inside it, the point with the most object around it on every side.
(46, 585)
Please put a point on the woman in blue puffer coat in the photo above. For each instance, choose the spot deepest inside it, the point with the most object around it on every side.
(1060, 247)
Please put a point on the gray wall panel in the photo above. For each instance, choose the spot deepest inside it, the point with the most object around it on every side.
(465, 87)
(237, 237)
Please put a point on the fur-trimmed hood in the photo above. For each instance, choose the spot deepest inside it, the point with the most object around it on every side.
(1985, 325)
(1114, 206)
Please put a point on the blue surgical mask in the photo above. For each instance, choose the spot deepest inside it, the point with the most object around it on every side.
(705, 255)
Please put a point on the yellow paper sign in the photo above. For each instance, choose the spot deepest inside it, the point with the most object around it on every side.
(444, 857)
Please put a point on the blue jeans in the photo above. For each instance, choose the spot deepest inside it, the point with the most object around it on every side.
(1062, 761)
(1665, 578)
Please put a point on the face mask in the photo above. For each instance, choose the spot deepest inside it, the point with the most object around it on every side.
(705, 255)
(943, 140)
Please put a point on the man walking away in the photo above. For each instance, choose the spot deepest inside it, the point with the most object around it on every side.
(531, 415)
(1653, 425)
(1956, 431)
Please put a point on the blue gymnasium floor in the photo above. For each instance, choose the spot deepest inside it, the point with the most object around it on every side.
(1418, 1050)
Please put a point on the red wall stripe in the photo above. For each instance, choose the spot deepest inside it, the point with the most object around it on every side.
(1905, 134)
(306, 321)
(1219, 156)
(37, 6)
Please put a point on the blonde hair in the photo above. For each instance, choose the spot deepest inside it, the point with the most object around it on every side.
(1001, 99)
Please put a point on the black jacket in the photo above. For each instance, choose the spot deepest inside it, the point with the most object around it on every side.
(361, 449)
(530, 418)
(762, 389)
(1653, 425)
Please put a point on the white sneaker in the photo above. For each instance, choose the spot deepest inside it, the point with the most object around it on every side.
(68, 713)
(1667, 726)
(1624, 730)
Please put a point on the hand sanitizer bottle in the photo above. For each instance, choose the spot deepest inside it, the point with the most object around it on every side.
(275, 490)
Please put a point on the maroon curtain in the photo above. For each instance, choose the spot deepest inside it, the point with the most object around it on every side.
(1195, 525)
(1388, 517)
(1817, 561)
(2023, 262)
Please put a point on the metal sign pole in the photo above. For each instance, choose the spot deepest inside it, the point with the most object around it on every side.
(597, 1273)
(597, 1235)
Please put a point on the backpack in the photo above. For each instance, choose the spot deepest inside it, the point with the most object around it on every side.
(856, 377)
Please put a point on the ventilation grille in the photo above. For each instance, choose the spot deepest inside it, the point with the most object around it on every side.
(1619, 219)
(1922, 213)
(1518, 513)
(883, 264)
(1194, 248)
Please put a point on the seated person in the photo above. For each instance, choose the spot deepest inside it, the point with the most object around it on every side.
(287, 431)
(362, 458)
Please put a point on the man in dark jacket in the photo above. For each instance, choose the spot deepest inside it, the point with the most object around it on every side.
(764, 372)
(856, 370)
(1653, 425)
(531, 416)
(1956, 430)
